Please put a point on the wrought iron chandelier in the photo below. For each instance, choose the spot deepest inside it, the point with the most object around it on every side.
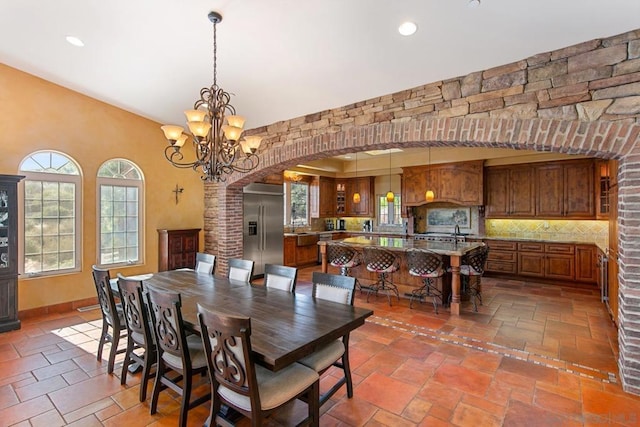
(218, 148)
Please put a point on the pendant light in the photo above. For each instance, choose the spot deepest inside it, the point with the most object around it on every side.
(429, 196)
(356, 195)
(390, 196)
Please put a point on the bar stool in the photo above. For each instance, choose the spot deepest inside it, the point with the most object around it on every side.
(428, 266)
(345, 258)
(382, 262)
(472, 267)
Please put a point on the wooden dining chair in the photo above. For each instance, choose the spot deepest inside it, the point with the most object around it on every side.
(205, 263)
(114, 326)
(241, 270)
(280, 277)
(238, 382)
(140, 332)
(339, 289)
(180, 357)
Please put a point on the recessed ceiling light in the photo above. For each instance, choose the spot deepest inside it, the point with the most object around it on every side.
(407, 28)
(473, 3)
(75, 41)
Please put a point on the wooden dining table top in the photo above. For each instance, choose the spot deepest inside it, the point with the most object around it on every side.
(285, 326)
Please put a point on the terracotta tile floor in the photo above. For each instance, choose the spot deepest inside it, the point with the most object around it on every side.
(534, 355)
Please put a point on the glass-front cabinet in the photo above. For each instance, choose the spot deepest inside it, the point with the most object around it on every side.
(9, 252)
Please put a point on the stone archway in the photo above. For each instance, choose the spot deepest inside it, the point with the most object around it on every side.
(583, 99)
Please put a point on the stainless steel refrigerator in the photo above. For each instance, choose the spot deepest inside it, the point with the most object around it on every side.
(263, 225)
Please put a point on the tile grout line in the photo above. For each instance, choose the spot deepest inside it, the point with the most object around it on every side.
(605, 377)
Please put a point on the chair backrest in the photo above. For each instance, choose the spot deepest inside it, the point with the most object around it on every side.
(340, 254)
(422, 262)
(135, 309)
(241, 269)
(332, 287)
(227, 345)
(476, 259)
(102, 280)
(378, 259)
(205, 263)
(168, 328)
(280, 277)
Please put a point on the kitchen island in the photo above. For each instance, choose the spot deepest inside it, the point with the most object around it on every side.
(405, 282)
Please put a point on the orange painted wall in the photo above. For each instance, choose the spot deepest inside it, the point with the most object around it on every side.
(36, 115)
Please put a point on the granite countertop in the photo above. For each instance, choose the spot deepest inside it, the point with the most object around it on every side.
(402, 245)
(372, 234)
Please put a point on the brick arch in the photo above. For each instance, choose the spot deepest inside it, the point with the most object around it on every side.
(599, 139)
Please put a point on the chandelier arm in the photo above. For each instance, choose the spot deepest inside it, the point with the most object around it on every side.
(174, 156)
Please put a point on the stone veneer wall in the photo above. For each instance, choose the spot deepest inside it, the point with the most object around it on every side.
(583, 99)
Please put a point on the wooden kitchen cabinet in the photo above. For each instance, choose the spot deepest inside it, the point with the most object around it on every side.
(503, 257)
(565, 189)
(9, 252)
(509, 191)
(341, 197)
(603, 182)
(322, 197)
(289, 251)
(531, 259)
(586, 261)
(366, 206)
(560, 261)
(177, 248)
(460, 183)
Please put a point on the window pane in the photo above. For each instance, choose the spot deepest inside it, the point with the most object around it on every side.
(50, 212)
(299, 201)
(120, 208)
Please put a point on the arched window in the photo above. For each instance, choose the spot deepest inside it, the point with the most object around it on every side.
(120, 197)
(52, 213)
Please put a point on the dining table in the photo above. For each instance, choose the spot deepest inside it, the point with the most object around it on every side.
(285, 326)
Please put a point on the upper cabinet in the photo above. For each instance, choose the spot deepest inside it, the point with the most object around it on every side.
(509, 191)
(365, 187)
(322, 195)
(565, 189)
(459, 183)
(562, 189)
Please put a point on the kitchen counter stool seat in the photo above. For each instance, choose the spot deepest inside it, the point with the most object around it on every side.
(471, 269)
(428, 266)
(345, 258)
(383, 263)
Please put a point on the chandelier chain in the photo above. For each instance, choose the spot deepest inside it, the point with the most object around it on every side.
(215, 55)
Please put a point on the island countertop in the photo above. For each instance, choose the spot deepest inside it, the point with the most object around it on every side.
(402, 245)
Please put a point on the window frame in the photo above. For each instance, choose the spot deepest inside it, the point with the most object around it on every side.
(139, 184)
(287, 203)
(51, 177)
(394, 208)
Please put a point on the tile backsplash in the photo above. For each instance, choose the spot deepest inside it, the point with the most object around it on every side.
(554, 230)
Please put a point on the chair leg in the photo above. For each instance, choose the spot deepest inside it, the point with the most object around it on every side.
(114, 349)
(346, 367)
(146, 374)
(186, 396)
(314, 404)
(126, 362)
(157, 386)
(103, 335)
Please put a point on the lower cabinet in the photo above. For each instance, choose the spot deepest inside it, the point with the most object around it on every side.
(544, 260)
(503, 257)
(586, 264)
(289, 255)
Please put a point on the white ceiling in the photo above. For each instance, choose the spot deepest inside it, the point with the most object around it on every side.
(284, 58)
